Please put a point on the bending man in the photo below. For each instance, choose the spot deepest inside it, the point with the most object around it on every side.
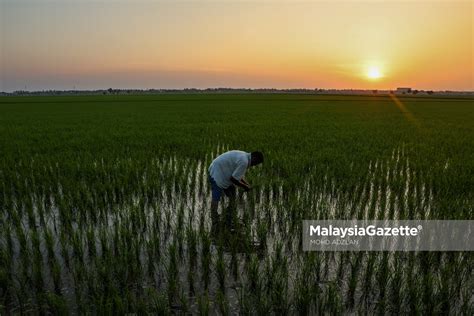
(226, 172)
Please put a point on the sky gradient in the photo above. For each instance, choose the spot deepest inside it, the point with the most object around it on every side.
(256, 44)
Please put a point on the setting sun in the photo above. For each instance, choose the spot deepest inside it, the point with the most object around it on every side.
(374, 73)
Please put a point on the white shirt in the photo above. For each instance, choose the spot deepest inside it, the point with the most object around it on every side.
(233, 163)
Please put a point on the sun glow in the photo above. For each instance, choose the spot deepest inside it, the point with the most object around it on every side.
(373, 72)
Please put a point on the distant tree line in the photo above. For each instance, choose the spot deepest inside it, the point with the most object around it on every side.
(112, 91)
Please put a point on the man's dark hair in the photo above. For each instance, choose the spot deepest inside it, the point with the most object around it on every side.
(257, 158)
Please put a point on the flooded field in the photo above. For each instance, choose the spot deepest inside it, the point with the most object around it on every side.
(105, 204)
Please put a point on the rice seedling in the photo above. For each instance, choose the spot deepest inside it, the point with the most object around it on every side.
(203, 304)
(172, 274)
(222, 303)
(221, 269)
(353, 279)
(305, 287)
(205, 259)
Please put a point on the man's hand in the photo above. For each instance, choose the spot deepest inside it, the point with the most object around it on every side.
(244, 185)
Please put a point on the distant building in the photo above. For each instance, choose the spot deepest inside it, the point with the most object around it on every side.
(403, 90)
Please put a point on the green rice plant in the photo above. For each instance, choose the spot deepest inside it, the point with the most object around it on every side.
(191, 237)
(6, 248)
(234, 260)
(6, 282)
(343, 260)
(222, 303)
(111, 304)
(333, 299)
(56, 304)
(91, 239)
(77, 246)
(167, 223)
(466, 307)
(30, 212)
(355, 266)
(183, 303)
(172, 272)
(262, 235)
(427, 283)
(19, 231)
(396, 286)
(151, 259)
(304, 291)
(367, 280)
(56, 276)
(48, 238)
(413, 293)
(221, 268)
(79, 274)
(180, 236)
(40, 209)
(158, 302)
(63, 241)
(203, 304)
(450, 283)
(37, 262)
(382, 282)
(205, 259)
(117, 240)
(104, 247)
(245, 304)
(253, 275)
(277, 281)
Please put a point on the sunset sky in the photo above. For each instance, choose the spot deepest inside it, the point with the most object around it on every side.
(256, 44)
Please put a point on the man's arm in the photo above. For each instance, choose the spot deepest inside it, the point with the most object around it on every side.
(244, 185)
(237, 177)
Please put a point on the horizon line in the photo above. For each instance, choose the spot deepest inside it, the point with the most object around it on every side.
(217, 89)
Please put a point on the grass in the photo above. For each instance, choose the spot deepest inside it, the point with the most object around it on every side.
(105, 205)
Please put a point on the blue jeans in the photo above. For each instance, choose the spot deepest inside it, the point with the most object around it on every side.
(217, 190)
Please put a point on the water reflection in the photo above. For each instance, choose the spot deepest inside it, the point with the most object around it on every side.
(233, 235)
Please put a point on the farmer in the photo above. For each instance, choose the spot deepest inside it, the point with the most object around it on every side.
(226, 172)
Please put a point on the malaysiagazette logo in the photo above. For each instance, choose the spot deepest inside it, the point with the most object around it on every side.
(370, 230)
(388, 235)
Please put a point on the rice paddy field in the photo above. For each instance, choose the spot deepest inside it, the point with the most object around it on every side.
(105, 203)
